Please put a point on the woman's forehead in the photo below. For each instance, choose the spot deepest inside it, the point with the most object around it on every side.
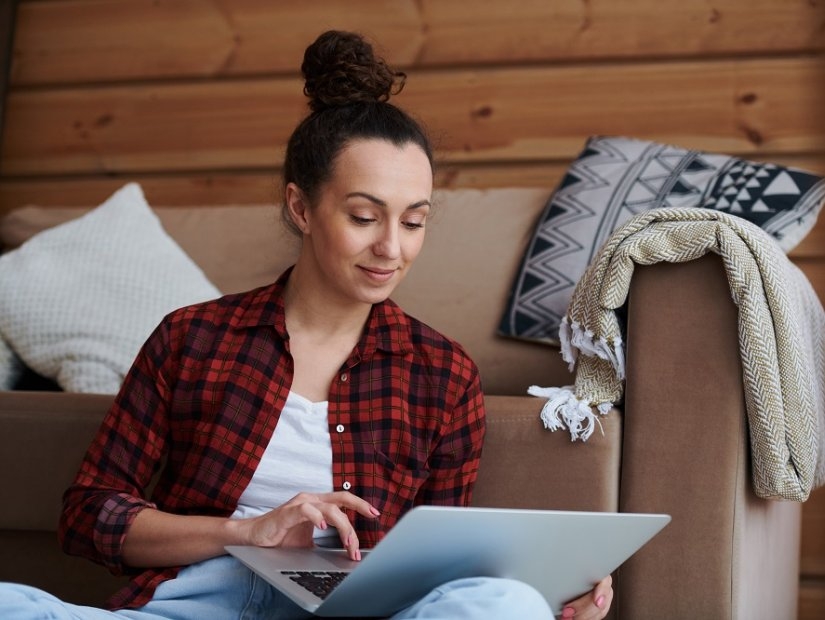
(381, 168)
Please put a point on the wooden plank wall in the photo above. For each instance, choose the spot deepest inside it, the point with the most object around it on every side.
(196, 98)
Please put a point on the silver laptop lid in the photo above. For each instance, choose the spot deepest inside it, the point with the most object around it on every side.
(560, 553)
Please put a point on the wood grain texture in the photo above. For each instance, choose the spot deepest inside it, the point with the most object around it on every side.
(173, 190)
(812, 561)
(114, 40)
(811, 599)
(491, 115)
(8, 20)
(248, 187)
(814, 270)
(261, 186)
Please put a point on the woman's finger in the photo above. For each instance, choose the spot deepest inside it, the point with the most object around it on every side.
(345, 499)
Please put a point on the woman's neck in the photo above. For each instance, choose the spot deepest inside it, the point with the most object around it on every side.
(310, 310)
(322, 334)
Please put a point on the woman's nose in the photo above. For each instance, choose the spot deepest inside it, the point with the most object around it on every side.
(388, 243)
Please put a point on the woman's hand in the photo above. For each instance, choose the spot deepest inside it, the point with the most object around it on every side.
(291, 525)
(158, 538)
(594, 604)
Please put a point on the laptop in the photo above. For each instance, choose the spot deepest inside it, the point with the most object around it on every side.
(560, 553)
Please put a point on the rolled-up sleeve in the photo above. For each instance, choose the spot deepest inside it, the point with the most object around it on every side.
(109, 489)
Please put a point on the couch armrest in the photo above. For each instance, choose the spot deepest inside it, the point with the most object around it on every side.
(686, 453)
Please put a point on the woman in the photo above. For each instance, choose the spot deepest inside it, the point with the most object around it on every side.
(308, 407)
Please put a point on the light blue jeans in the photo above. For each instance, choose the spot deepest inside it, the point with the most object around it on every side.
(224, 589)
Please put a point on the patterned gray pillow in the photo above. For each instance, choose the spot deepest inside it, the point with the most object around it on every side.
(615, 178)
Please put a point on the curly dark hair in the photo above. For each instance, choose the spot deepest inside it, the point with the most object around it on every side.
(349, 88)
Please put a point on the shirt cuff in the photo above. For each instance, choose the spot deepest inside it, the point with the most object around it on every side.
(113, 521)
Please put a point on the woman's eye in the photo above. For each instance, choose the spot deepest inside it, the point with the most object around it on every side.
(413, 225)
(363, 221)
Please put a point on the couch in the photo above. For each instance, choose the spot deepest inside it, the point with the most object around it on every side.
(678, 444)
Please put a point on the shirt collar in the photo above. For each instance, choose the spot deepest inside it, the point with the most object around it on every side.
(265, 306)
(387, 328)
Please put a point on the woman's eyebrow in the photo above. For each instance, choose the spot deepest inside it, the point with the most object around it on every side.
(381, 203)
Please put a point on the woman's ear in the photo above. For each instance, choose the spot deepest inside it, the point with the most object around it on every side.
(298, 207)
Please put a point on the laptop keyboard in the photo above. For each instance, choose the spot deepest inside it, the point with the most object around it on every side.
(319, 582)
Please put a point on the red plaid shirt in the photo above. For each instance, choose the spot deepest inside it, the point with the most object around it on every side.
(406, 418)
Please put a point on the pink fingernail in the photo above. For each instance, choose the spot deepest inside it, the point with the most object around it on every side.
(600, 602)
(568, 612)
(375, 511)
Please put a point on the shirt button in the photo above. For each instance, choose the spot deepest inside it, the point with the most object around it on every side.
(340, 428)
(347, 486)
(343, 376)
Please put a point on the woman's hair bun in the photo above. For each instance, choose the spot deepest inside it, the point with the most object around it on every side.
(340, 68)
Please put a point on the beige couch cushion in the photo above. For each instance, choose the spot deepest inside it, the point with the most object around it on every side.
(238, 247)
(45, 436)
(526, 466)
(463, 277)
(459, 285)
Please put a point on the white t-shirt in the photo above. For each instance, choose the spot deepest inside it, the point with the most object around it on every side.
(298, 458)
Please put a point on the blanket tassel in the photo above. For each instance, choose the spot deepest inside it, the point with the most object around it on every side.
(574, 338)
(564, 410)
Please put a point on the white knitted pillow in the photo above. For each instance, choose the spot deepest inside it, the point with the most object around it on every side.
(77, 301)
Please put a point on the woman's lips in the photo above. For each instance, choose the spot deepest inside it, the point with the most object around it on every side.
(378, 275)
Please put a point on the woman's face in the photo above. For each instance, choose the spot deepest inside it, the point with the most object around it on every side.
(367, 227)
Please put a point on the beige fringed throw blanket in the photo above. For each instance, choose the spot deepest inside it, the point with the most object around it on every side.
(781, 339)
